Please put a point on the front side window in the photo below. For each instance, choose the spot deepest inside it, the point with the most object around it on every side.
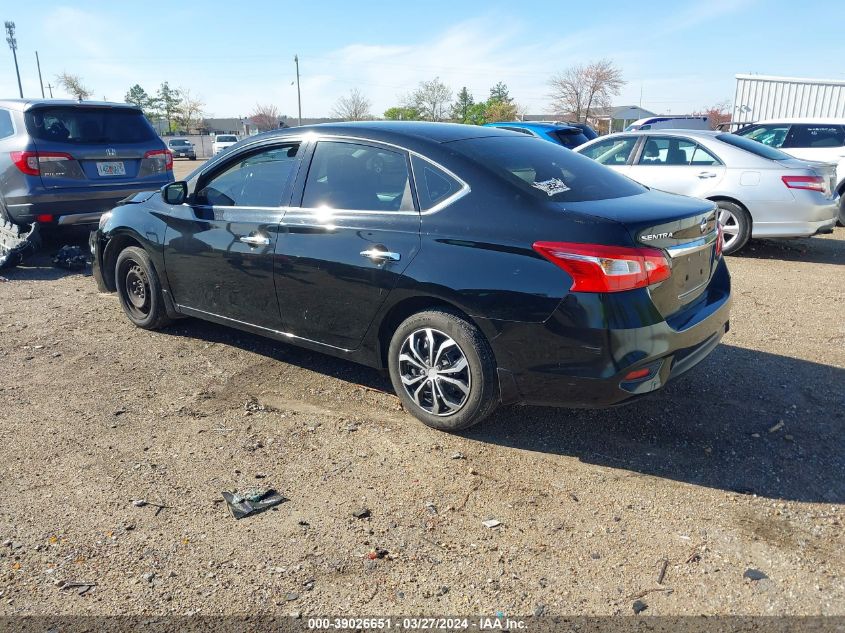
(815, 136)
(259, 179)
(771, 135)
(666, 150)
(613, 151)
(358, 177)
(433, 184)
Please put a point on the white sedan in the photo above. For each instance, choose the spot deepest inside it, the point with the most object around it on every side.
(761, 191)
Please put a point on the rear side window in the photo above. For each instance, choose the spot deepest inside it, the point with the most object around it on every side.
(771, 135)
(754, 147)
(547, 170)
(612, 151)
(6, 127)
(358, 177)
(90, 126)
(433, 184)
(802, 135)
(667, 150)
(257, 180)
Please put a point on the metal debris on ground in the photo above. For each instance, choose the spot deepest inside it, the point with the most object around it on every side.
(17, 242)
(70, 258)
(252, 501)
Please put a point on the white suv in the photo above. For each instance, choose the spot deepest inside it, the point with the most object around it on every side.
(809, 139)
(222, 141)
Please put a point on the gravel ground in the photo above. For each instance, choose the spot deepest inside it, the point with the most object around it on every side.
(736, 466)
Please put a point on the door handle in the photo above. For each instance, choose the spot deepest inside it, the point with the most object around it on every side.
(382, 255)
(255, 240)
(707, 174)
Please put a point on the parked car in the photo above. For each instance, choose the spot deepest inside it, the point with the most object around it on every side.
(670, 123)
(760, 191)
(809, 139)
(182, 148)
(222, 141)
(478, 266)
(588, 131)
(566, 135)
(66, 162)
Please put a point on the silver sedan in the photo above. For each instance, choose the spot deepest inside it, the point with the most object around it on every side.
(761, 191)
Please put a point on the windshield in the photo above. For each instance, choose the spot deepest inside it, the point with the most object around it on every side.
(753, 146)
(179, 142)
(74, 124)
(548, 170)
(227, 139)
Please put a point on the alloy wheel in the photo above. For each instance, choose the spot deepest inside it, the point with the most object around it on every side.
(730, 228)
(434, 372)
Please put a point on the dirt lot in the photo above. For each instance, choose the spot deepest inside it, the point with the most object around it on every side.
(737, 465)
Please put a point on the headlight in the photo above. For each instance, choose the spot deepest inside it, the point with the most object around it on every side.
(104, 218)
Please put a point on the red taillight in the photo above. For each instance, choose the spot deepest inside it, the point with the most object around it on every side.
(599, 268)
(44, 218)
(158, 153)
(813, 183)
(29, 162)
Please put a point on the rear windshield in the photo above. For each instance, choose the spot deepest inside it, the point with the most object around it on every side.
(85, 125)
(177, 142)
(570, 138)
(753, 146)
(548, 170)
(227, 139)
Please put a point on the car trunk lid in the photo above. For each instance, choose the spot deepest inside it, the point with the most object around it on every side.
(686, 229)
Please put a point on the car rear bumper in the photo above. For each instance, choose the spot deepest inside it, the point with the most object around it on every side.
(556, 364)
(68, 205)
(806, 216)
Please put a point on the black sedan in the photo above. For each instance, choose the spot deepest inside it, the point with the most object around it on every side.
(478, 266)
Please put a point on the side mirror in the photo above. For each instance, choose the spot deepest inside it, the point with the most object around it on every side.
(175, 192)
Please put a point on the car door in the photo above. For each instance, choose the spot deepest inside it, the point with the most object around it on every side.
(219, 255)
(614, 152)
(346, 243)
(677, 165)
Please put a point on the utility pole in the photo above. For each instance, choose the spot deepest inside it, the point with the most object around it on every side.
(13, 44)
(298, 97)
(41, 81)
(50, 88)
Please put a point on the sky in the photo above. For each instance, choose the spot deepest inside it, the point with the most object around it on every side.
(676, 57)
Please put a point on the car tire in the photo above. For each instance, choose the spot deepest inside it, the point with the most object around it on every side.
(139, 289)
(465, 389)
(841, 220)
(736, 226)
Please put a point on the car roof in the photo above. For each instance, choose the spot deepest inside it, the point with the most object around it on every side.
(27, 104)
(834, 120)
(666, 132)
(542, 125)
(388, 131)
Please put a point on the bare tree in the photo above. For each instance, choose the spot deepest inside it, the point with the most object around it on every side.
(582, 88)
(190, 112)
(432, 100)
(265, 117)
(73, 84)
(716, 114)
(355, 107)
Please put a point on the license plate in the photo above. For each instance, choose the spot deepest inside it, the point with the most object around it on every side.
(115, 168)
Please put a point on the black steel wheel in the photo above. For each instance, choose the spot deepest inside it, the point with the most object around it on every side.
(139, 289)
